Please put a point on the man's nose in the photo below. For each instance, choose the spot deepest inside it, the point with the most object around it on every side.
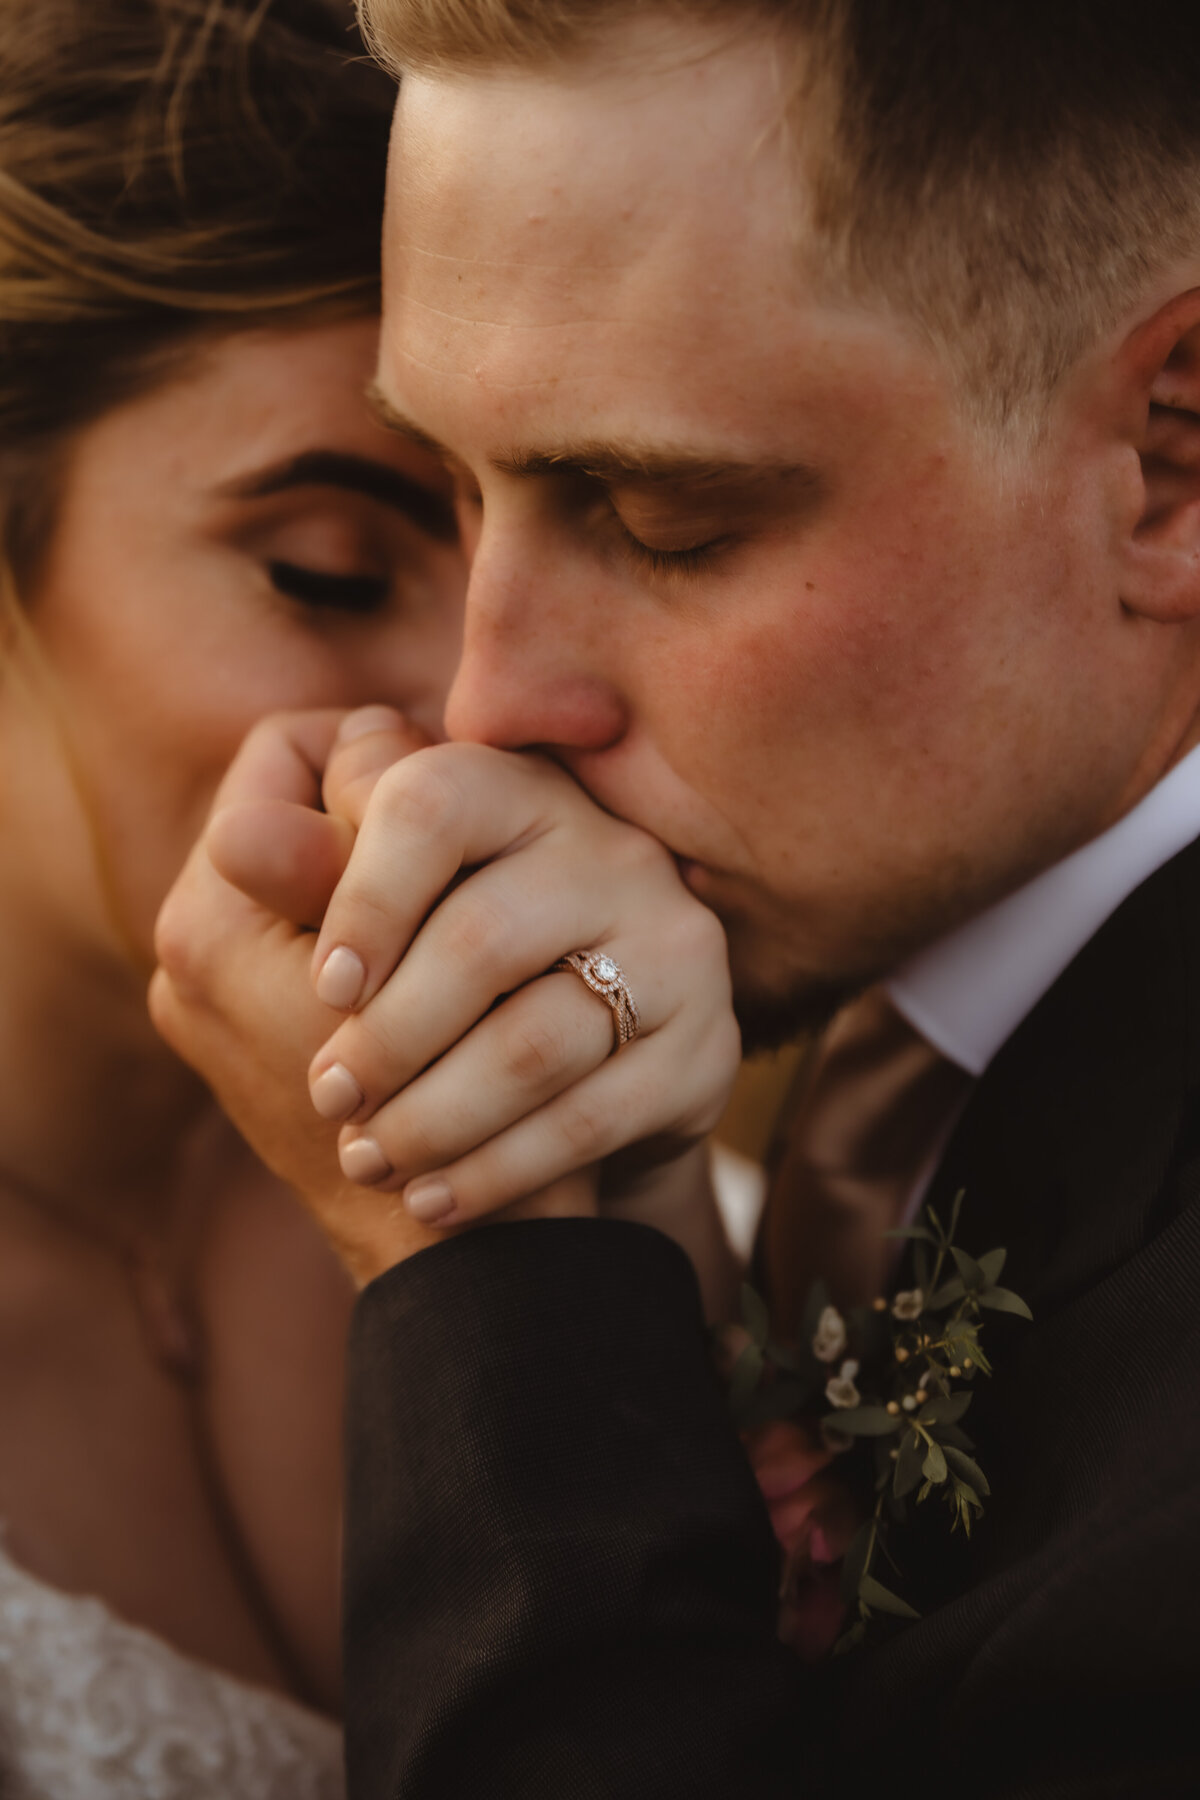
(533, 669)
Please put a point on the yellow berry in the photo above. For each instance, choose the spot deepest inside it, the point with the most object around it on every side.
(902, 1355)
(879, 1304)
(893, 1408)
(921, 1396)
(955, 1370)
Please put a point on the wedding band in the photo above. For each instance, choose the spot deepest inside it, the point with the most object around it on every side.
(604, 977)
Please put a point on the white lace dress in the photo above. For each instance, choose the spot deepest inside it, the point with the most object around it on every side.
(94, 1709)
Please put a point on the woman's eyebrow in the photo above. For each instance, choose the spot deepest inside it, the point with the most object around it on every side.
(430, 512)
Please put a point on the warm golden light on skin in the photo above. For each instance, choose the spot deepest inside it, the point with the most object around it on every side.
(895, 680)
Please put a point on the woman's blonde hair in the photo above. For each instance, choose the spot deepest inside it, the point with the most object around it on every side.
(168, 169)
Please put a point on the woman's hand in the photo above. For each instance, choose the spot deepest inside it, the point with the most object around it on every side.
(464, 1055)
(468, 1073)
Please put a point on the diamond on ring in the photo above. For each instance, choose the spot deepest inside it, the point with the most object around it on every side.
(605, 978)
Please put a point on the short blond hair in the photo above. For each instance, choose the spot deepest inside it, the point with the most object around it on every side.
(1008, 175)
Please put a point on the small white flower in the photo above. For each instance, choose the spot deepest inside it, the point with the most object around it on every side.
(840, 1389)
(909, 1403)
(908, 1305)
(829, 1339)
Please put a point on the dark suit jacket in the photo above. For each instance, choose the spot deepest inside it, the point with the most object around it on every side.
(561, 1578)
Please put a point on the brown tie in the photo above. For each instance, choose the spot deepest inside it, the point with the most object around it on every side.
(869, 1114)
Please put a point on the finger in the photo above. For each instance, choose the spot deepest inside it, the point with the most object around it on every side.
(626, 1100)
(368, 742)
(265, 835)
(285, 857)
(500, 930)
(430, 816)
(282, 758)
(524, 1053)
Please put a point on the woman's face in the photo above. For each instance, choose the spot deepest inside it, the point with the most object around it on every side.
(241, 539)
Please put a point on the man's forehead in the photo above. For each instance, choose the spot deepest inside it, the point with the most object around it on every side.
(533, 176)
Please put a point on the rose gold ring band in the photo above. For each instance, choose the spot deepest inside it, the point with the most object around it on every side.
(605, 978)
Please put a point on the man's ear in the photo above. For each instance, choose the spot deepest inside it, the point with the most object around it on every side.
(1160, 370)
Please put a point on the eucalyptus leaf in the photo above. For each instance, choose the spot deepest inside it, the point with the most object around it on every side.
(934, 1467)
(907, 1468)
(862, 1421)
(755, 1316)
(947, 1409)
(856, 1559)
(783, 1356)
(955, 1210)
(992, 1264)
(873, 1593)
(965, 1467)
(951, 1290)
(849, 1640)
(953, 1436)
(1003, 1300)
(973, 1276)
(922, 1268)
(966, 1496)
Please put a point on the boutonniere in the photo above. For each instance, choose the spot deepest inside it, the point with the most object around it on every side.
(893, 1380)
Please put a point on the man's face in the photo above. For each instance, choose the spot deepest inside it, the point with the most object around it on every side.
(737, 559)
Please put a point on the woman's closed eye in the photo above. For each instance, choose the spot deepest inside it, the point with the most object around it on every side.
(333, 592)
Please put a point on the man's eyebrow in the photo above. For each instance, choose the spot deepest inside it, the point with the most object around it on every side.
(614, 463)
(431, 513)
(650, 466)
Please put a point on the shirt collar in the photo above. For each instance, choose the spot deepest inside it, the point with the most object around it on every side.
(967, 993)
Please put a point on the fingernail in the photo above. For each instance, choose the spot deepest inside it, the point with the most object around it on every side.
(342, 979)
(363, 1161)
(366, 720)
(429, 1201)
(336, 1094)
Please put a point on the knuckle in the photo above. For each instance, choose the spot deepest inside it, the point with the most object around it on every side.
(177, 948)
(700, 935)
(477, 928)
(534, 1050)
(415, 796)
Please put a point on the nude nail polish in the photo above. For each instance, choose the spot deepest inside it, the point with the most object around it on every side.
(342, 979)
(429, 1202)
(363, 1161)
(336, 1094)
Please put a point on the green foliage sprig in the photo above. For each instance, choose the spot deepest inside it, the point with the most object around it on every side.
(896, 1378)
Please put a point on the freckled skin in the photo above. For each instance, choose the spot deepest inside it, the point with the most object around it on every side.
(883, 702)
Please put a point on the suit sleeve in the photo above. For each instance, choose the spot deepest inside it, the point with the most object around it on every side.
(560, 1577)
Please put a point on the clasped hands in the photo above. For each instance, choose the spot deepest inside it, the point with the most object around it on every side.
(355, 959)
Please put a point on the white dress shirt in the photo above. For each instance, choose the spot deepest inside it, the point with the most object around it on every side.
(967, 993)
